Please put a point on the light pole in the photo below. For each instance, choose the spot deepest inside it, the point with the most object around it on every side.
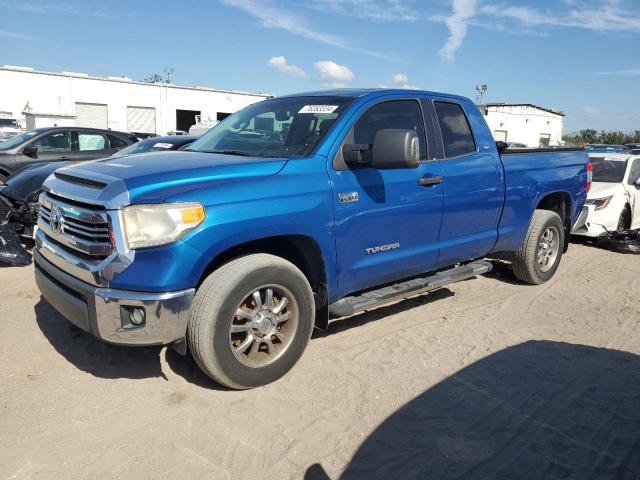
(169, 71)
(481, 89)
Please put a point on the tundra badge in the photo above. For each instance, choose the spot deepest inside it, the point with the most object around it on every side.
(382, 248)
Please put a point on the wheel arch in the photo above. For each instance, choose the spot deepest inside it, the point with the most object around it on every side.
(301, 250)
(560, 203)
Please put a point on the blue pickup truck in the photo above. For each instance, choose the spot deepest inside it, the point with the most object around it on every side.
(293, 211)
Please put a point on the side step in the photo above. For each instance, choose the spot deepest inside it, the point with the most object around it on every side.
(373, 298)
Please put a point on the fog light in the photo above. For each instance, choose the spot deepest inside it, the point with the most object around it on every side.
(136, 316)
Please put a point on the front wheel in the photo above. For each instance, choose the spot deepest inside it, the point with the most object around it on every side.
(251, 321)
(540, 254)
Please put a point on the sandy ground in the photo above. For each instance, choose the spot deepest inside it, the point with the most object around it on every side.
(486, 379)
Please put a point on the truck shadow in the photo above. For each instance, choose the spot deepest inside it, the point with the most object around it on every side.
(534, 411)
(93, 356)
(113, 361)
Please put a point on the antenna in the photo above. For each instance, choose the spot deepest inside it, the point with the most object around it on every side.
(481, 89)
(169, 71)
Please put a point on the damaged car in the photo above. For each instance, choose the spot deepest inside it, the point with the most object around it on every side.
(19, 196)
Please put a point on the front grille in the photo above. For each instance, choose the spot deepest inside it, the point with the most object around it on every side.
(80, 230)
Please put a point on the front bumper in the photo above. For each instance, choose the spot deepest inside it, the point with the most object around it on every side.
(596, 222)
(104, 312)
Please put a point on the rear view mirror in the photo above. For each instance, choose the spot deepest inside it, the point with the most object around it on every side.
(30, 151)
(396, 148)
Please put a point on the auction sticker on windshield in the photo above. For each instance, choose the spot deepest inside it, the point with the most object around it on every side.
(318, 109)
(162, 145)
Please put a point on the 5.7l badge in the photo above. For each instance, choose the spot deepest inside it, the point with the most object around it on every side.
(349, 197)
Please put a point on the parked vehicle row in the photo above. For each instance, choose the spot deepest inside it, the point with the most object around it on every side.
(293, 211)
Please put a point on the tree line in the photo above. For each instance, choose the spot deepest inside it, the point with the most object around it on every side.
(590, 135)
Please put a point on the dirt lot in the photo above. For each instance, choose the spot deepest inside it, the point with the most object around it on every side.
(486, 379)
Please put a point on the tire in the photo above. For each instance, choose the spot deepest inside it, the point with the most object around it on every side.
(624, 221)
(526, 264)
(230, 289)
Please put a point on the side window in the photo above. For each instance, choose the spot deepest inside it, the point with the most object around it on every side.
(115, 142)
(88, 141)
(54, 142)
(456, 132)
(403, 114)
(634, 173)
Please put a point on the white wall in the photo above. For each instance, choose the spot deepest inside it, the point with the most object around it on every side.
(54, 93)
(525, 124)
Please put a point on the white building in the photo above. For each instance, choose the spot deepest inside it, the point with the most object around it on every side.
(42, 99)
(524, 123)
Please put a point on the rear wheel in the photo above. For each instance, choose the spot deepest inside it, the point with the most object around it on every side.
(251, 321)
(624, 221)
(540, 254)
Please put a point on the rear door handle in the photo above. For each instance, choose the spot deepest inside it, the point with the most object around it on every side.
(430, 181)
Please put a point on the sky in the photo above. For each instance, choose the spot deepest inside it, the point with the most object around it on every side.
(578, 56)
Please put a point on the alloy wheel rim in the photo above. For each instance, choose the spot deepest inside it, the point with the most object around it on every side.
(548, 249)
(263, 326)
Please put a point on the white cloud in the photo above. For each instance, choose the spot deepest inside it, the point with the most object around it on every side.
(595, 15)
(16, 36)
(458, 24)
(332, 74)
(280, 64)
(631, 72)
(375, 10)
(594, 113)
(399, 80)
(602, 16)
(272, 16)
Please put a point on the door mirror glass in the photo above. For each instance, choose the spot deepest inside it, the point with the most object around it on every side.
(396, 148)
(30, 151)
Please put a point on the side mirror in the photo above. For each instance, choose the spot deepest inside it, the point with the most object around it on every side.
(30, 151)
(501, 146)
(396, 148)
(637, 184)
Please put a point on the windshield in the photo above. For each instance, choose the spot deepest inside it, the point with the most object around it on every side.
(17, 140)
(281, 127)
(608, 170)
(150, 145)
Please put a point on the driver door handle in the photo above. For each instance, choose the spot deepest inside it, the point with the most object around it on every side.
(430, 181)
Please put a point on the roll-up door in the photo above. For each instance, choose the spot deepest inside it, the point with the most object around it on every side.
(93, 115)
(141, 119)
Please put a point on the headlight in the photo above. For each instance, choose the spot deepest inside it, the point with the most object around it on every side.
(154, 225)
(600, 203)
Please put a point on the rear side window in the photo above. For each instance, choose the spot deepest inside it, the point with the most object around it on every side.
(456, 132)
(402, 114)
(91, 142)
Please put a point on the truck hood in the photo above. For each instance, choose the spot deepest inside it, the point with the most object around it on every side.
(602, 190)
(153, 177)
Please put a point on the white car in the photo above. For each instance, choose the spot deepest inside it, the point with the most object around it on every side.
(614, 198)
(9, 127)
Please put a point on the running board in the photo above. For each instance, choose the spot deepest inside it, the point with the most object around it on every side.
(347, 306)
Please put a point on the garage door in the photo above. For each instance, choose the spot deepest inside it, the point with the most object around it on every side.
(92, 115)
(141, 119)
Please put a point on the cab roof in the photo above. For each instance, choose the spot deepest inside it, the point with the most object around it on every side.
(364, 92)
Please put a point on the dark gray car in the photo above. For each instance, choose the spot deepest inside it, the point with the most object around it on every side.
(59, 144)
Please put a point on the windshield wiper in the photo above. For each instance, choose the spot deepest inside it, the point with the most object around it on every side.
(231, 152)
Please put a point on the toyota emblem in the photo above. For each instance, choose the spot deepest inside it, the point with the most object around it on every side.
(55, 219)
